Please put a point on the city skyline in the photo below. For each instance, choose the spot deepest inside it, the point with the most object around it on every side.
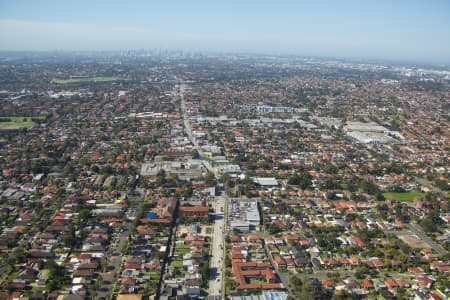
(405, 30)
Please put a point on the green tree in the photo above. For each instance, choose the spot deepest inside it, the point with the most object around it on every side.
(161, 178)
(226, 179)
(195, 154)
(210, 178)
(368, 187)
(273, 229)
(302, 180)
(431, 221)
(310, 290)
(331, 184)
(380, 196)
(107, 170)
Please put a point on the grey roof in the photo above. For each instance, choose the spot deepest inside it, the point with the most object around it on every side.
(73, 297)
(266, 295)
(274, 295)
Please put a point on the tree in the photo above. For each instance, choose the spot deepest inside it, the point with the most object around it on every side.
(302, 180)
(442, 282)
(95, 169)
(331, 184)
(107, 170)
(173, 178)
(226, 179)
(380, 196)
(401, 293)
(161, 178)
(310, 290)
(296, 281)
(51, 265)
(295, 284)
(36, 166)
(83, 215)
(195, 154)
(210, 178)
(69, 240)
(361, 272)
(431, 221)
(368, 187)
(160, 255)
(442, 184)
(187, 189)
(273, 229)
(204, 271)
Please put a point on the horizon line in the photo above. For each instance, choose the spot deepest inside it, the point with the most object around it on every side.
(238, 52)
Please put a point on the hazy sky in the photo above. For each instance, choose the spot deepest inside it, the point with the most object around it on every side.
(414, 30)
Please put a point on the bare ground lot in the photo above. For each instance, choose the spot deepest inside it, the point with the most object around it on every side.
(412, 240)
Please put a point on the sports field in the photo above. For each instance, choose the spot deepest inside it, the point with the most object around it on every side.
(405, 197)
(18, 122)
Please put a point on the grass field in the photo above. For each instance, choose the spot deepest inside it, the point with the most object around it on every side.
(406, 197)
(18, 122)
(91, 79)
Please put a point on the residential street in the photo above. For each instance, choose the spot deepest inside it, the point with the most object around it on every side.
(115, 260)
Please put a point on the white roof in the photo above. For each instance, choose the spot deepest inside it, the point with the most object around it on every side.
(266, 181)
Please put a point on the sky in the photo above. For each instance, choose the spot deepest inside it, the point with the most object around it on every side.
(404, 30)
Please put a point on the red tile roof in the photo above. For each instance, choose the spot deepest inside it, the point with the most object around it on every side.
(367, 284)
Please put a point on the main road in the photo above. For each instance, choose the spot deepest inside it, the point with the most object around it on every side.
(188, 130)
(217, 261)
